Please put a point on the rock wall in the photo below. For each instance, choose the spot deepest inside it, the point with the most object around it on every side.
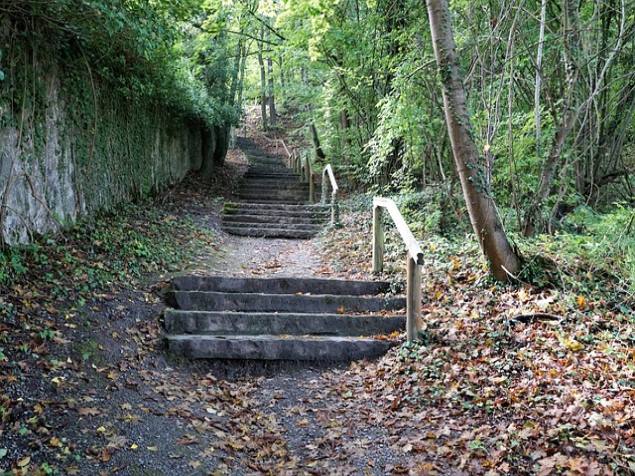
(71, 144)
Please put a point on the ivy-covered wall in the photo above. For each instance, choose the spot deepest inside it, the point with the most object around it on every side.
(71, 144)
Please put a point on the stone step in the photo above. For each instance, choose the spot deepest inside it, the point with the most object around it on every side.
(274, 226)
(273, 347)
(303, 303)
(273, 176)
(247, 217)
(299, 195)
(267, 161)
(280, 285)
(311, 208)
(275, 211)
(274, 201)
(269, 233)
(276, 168)
(246, 323)
(283, 215)
(300, 188)
(273, 184)
(291, 196)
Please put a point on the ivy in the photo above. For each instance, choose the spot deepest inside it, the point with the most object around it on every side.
(136, 47)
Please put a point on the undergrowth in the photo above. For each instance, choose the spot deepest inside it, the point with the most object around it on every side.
(111, 249)
(592, 254)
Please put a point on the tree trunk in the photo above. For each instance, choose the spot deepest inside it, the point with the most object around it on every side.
(570, 115)
(538, 85)
(319, 153)
(235, 72)
(272, 102)
(241, 77)
(208, 151)
(263, 82)
(502, 257)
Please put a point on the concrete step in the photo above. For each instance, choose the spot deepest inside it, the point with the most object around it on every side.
(274, 347)
(280, 285)
(303, 303)
(252, 323)
(274, 226)
(269, 233)
(279, 219)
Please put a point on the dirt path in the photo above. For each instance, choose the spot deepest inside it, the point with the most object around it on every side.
(103, 397)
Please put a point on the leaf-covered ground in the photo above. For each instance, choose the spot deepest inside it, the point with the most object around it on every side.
(509, 380)
(515, 380)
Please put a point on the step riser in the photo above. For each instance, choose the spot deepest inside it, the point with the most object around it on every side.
(284, 217)
(274, 186)
(278, 350)
(275, 201)
(293, 197)
(320, 286)
(283, 234)
(276, 226)
(281, 189)
(261, 169)
(211, 301)
(267, 162)
(243, 218)
(187, 322)
(277, 208)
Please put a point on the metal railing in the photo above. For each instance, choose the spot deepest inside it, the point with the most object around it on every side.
(413, 265)
(335, 212)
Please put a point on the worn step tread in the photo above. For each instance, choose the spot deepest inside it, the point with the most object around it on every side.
(313, 207)
(277, 347)
(276, 226)
(253, 323)
(270, 233)
(282, 219)
(280, 285)
(262, 302)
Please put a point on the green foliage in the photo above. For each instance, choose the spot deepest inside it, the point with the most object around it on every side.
(116, 247)
(136, 47)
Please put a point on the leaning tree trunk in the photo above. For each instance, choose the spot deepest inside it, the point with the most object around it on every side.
(470, 167)
(263, 81)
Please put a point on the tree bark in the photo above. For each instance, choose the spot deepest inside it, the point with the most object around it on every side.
(263, 82)
(315, 138)
(570, 115)
(502, 258)
(271, 99)
(538, 85)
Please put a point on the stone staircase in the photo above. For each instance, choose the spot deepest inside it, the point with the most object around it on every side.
(217, 317)
(272, 201)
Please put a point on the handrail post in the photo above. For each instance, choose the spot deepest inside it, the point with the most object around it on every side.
(413, 299)
(324, 188)
(311, 186)
(335, 215)
(378, 239)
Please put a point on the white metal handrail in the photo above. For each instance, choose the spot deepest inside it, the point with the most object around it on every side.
(328, 171)
(413, 265)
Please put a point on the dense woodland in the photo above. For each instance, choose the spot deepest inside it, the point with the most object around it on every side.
(549, 93)
(504, 131)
